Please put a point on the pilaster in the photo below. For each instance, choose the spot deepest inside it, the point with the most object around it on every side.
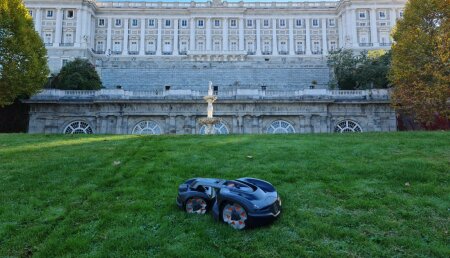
(291, 37)
(308, 37)
(38, 21)
(125, 37)
(274, 38)
(241, 34)
(175, 37)
(79, 13)
(58, 32)
(192, 35)
(258, 37)
(109, 37)
(393, 18)
(354, 31)
(142, 38)
(225, 34)
(324, 37)
(159, 41)
(373, 28)
(208, 34)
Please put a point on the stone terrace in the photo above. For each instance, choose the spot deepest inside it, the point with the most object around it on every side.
(227, 75)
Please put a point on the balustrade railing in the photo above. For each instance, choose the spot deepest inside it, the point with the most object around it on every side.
(378, 94)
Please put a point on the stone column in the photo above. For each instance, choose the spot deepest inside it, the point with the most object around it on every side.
(125, 37)
(208, 34)
(175, 37)
(159, 40)
(192, 35)
(84, 34)
(274, 38)
(225, 35)
(324, 37)
(308, 37)
(348, 29)
(393, 18)
(354, 31)
(373, 28)
(255, 125)
(241, 34)
(341, 33)
(291, 37)
(38, 21)
(307, 123)
(79, 13)
(142, 38)
(258, 37)
(58, 32)
(109, 37)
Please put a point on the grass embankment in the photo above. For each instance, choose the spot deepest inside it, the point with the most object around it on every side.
(114, 196)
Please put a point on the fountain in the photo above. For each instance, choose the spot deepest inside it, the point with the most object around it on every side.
(210, 120)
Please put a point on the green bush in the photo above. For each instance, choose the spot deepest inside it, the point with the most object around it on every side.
(78, 74)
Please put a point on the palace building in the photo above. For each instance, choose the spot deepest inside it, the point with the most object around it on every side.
(267, 61)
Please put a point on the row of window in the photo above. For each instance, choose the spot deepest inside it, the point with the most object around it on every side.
(217, 45)
(363, 14)
(152, 127)
(382, 14)
(201, 23)
(68, 14)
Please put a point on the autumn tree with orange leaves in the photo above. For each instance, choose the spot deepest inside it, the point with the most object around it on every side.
(420, 69)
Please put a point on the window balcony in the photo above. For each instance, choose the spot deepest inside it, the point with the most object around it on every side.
(183, 52)
(150, 52)
(98, 52)
(385, 44)
(116, 52)
(167, 53)
(48, 44)
(66, 44)
(317, 52)
(284, 52)
(266, 53)
(133, 53)
(365, 44)
(251, 52)
(299, 52)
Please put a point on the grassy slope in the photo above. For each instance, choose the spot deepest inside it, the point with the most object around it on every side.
(343, 195)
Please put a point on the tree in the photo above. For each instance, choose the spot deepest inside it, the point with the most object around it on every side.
(23, 62)
(78, 74)
(344, 66)
(366, 70)
(420, 60)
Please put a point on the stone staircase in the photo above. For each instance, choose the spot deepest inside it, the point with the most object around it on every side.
(154, 75)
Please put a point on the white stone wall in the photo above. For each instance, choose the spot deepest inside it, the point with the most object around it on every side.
(211, 31)
(244, 112)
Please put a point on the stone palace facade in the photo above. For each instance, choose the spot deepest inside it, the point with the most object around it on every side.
(165, 52)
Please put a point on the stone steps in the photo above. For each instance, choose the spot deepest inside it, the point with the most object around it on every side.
(196, 75)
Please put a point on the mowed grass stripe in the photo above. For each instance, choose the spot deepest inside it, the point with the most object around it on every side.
(114, 196)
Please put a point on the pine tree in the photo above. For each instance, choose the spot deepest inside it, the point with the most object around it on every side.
(23, 62)
(420, 69)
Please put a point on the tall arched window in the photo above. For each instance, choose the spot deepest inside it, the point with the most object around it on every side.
(280, 127)
(78, 127)
(147, 127)
(347, 126)
(219, 128)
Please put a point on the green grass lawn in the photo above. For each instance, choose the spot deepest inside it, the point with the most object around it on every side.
(360, 195)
